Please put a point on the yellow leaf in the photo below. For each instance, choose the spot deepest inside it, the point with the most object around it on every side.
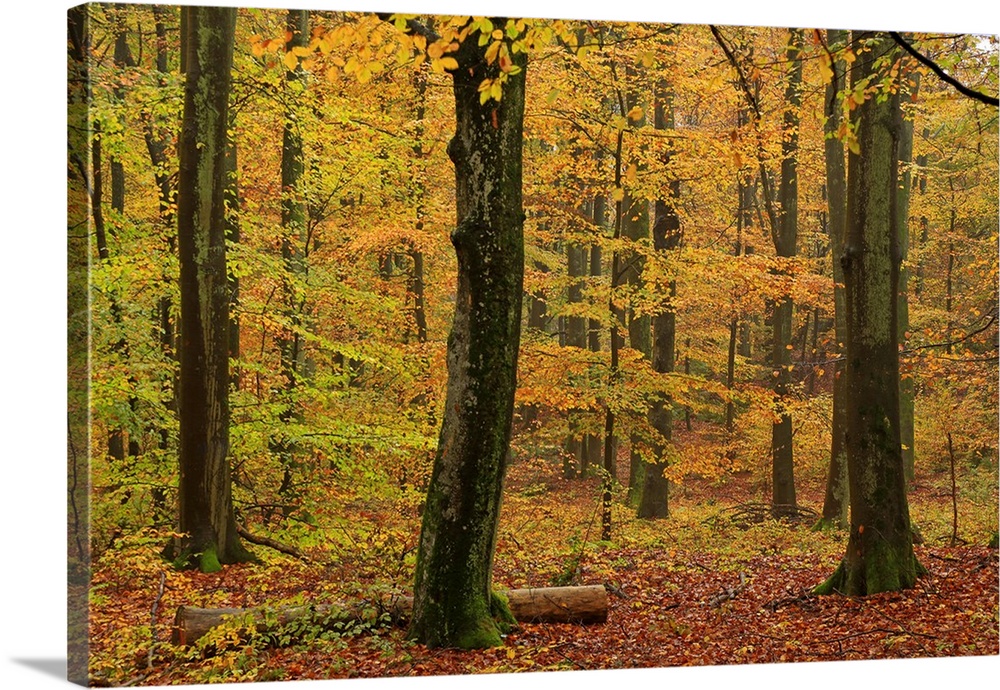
(618, 194)
(435, 50)
(631, 173)
(635, 113)
(510, 652)
(449, 63)
(420, 42)
(333, 74)
(497, 34)
(301, 51)
(496, 91)
(492, 52)
(291, 62)
(484, 96)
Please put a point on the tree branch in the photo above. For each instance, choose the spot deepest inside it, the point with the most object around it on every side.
(944, 76)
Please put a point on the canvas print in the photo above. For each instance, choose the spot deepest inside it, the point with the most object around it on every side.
(408, 345)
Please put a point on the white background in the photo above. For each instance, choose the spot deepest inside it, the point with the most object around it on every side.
(32, 336)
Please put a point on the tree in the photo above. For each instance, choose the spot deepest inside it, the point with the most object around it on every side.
(784, 236)
(206, 508)
(666, 237)
(453, 604)
(879, 553)
(835, 501)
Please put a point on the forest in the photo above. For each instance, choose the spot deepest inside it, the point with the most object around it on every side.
(429, 345)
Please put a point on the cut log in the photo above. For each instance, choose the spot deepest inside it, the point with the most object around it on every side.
(583, 605)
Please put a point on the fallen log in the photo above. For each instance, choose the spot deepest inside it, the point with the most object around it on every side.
(584, 605)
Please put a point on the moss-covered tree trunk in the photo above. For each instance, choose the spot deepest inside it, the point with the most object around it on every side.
(879, 553)
(576, 336)
(653, 502)
(453, 602)
(835, 500)
(206, 506)
(594, 446)
(782, 460)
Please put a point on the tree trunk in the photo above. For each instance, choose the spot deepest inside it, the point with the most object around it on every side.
(293, 238)
(453, 602)
(582, 605)
(783, 472)
(666, 238)
(206, 506)
(906, 391)
(576, 336)
(835, 501)
(594, 446)
(879, 553)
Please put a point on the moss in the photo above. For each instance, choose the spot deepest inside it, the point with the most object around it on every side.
(827, 525)
(500, 610)
(208, 561)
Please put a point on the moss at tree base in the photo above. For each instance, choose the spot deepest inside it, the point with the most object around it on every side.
(882, 570)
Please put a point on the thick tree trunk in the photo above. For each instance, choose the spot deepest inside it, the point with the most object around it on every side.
(653, 502)
(879, 553)
(835, 501)
(783, 471)
(206, 507)
(582, 605)
(453, 602)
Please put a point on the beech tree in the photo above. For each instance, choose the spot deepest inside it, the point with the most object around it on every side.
(206, 508)
(879, 554)
(453, 602)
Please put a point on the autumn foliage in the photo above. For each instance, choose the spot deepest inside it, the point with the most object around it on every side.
(331, 456)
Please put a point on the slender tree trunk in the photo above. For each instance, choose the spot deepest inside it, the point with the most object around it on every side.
(594, 446)
(783, 469)
(576, 336)
(906, 391)
(835, 501)
(879, 555)
(293, 237)
(206, 507)
(453, 603)
(615, 340)
(666, 238)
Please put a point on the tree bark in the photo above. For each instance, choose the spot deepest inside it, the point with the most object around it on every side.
(453, 602)
(206, 507)
(653, 502)
(879, 554)
(592, 455)
(835, 501)
(906, 389)
(293, 238)
(783, 469)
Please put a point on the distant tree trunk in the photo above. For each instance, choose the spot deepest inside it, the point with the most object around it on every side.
(416, 287)
(615, 343)
(594, 447)
(783, 470)
(906, 391)
(453, 603)
(156, 145)
(293, 226)
(835, 501)
(576, 336)
(635, 226)
(666, 237)
(206, 506)
(879, 555)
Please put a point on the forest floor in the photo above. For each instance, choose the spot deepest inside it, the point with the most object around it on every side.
(697, 589)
